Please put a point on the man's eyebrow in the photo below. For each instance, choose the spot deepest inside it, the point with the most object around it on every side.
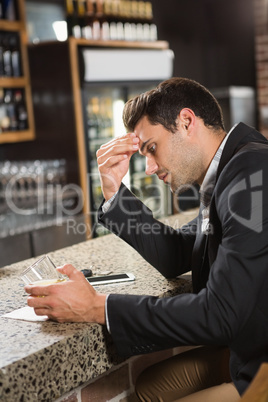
(144, 145)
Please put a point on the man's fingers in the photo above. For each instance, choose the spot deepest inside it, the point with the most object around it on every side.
(49, 313)
(118, 144)
(116, 149)
(70, 271)
(35, 290)
(39, 301)
(41, 311)
(122, 139)
(112, 161)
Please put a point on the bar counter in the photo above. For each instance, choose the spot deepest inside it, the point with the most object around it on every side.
(42, 361)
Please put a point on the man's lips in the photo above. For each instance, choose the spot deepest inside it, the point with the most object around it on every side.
(163, 176)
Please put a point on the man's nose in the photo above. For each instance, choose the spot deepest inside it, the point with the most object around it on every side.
(151, 166)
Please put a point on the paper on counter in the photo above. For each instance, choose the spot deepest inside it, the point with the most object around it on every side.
(26, 314)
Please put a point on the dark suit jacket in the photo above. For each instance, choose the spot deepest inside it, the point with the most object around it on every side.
(229, 266)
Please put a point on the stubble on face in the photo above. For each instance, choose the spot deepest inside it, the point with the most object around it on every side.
(185, 164)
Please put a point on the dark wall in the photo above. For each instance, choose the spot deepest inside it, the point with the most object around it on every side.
(213, 40)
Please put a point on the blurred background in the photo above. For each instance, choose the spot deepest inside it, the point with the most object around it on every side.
(68, 66)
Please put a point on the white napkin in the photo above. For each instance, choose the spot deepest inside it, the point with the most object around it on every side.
(25, 314)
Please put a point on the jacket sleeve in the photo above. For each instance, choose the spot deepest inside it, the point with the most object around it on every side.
(229, 310)
(167, 249)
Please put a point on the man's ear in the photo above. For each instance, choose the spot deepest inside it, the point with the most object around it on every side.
(186, 118)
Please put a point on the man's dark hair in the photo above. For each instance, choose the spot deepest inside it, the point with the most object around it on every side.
(163, 104)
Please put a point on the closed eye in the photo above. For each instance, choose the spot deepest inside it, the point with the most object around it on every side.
(152, 149)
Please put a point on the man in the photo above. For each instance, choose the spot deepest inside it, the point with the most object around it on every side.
(178, 127)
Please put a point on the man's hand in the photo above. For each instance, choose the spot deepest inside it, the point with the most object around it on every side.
(113, 161)
(70, 301)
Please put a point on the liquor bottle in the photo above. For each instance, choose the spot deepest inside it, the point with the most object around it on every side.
(89, 13)
(20, 110)
(2, 70)
(92, 29)
(5, 121)
(70, 16)
(76, 29)
(111, 19)
(105, 30)
(15, 56)
(97, 20)
(8, 8)
(73, 18)
(10, 110)
(103, 21)
(152, 32)
(107, 8)
(7, 56)
(96, 29)
(81, 16)
(99, 8)
(2, 107)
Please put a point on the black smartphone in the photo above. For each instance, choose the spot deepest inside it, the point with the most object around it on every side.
(107, 279)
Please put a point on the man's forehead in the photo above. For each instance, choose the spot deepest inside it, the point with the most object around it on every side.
(144, 129)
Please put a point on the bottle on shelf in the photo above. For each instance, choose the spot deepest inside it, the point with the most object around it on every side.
(111, 19)
(15, 56)
(87, 28)
(93, 20)
(8, 10)
(10, 56)
(2, 69)
(77, 23)
(73, 8)
(81, 16)
(20, 110)
(2, 108)
(69, 16)
(7, 56)
(13, 111)
(5, 121)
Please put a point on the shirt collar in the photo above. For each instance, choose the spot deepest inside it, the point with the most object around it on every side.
(209, 181)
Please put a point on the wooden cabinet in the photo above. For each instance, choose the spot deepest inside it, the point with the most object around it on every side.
(18, 83)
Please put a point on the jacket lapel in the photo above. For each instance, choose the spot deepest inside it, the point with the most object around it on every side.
(236, 140)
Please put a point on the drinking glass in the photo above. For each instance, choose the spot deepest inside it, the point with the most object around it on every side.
(42, 272)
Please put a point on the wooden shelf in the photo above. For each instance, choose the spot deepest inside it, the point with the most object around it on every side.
(10, 82)
(120, 43)
(11, 25)
(23, 82)
(16, 136)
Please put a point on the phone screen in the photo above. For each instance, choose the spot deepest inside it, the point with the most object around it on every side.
(115, 278)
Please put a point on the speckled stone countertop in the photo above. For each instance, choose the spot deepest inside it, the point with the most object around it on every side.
(40, 361)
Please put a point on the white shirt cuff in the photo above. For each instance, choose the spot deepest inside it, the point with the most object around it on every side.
(106, 315)
(108, 203)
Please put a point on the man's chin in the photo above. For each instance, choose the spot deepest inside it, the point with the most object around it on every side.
(179, 190)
